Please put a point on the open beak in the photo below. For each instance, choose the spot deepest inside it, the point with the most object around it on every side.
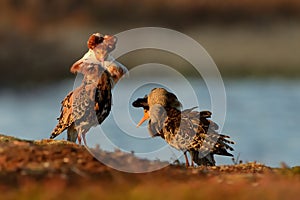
(144, 118)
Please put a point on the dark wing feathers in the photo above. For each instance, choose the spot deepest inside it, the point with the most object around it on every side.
(192, 131)
(66, 118)
(103, 98)
(189, 130)
(88, 105)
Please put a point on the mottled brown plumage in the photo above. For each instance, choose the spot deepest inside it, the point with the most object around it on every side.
(89, 104)
(186, 130)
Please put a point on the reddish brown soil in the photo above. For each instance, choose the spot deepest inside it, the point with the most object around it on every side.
(50, 169)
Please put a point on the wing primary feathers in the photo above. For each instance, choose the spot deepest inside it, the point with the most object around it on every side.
(186, 130)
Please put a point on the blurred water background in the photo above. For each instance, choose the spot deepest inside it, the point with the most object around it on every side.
(255, 45)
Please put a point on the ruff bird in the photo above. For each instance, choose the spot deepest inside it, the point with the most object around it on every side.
(188, 130)
(89, 104)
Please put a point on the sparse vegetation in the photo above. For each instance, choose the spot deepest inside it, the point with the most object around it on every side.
(49, 169)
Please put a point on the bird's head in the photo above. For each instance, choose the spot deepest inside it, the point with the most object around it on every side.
(102, 45)
(99, 48)
(164, 98)
(155, 103)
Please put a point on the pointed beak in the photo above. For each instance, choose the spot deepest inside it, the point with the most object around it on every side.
(144, 118)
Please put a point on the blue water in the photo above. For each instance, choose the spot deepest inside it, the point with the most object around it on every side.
(262, 117)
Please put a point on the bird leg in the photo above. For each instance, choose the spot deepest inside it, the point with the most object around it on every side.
(72, 133)
(186, 160)
(79, 138)
(192, 165)
(192, 155)
(84, 140)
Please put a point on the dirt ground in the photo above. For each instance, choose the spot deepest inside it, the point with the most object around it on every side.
(50, 169)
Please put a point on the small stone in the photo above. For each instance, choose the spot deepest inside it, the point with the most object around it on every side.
(66, 160)
(46, 164)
